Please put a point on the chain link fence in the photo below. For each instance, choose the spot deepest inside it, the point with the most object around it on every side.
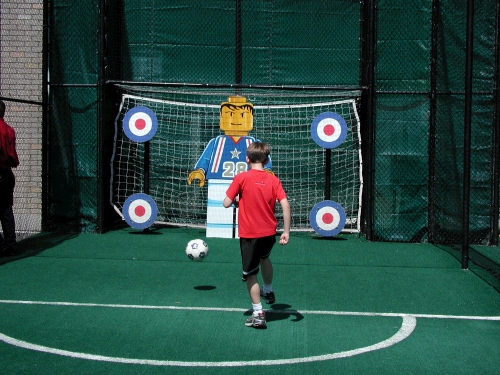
(419, 125)
(73, 116)
(21, 48)
(418, 61)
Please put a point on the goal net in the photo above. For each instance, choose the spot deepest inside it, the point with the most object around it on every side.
(188, 118)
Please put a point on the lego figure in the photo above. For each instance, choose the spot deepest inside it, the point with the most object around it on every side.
(223, 158)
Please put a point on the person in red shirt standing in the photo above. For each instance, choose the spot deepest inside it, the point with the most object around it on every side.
(8, 160)
(256, 192)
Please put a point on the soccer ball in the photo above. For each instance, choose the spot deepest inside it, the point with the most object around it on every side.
(197, 250)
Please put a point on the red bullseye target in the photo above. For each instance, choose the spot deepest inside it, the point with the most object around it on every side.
(327, 218)
(328, 130)
(140, 124)
(139, 211)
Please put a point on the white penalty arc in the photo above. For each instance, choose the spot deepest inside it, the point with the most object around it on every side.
(407, 327)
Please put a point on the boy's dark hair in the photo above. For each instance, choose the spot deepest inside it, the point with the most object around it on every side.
(2, 109)
(258, 152)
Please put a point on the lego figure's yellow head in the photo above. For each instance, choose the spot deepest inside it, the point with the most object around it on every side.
(236, 116)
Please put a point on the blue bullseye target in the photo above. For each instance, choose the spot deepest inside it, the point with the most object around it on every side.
(328, 130)
(139, 211)
(327, 218)
(140, 124)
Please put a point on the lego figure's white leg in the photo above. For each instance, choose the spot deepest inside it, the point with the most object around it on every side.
(219, 219)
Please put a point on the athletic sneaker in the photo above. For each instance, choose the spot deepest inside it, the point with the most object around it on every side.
(257, 321)
(268, 296)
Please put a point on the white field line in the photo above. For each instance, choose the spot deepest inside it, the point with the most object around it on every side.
(226, 309)
(409, 322)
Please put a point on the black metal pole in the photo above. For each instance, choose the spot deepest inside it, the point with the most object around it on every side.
(496, 135)
(238, 44)
(232, 85)
(45, 112)
(328, 173)
(146, 167)
(467, 133)
(101, 190)
(369, 40)
(431, 220)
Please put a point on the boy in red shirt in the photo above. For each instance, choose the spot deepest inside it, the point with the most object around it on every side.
(256, 192)
(8, 160)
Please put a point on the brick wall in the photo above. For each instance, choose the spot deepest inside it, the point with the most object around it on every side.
(21, 29)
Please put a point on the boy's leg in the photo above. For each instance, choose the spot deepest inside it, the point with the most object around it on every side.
(267, 270)
(8, 227)
(253, 289)
(267, 276)
(7, 183)
(258, 318)
(250, 256)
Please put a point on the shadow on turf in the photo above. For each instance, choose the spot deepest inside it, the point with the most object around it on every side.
(329, 238)
(147, 231)
(37, 244)
(204, 287)
(280, 311)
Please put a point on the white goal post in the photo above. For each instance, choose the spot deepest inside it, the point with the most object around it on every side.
(188, 119)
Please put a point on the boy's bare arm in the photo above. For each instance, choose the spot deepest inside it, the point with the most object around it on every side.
(285, 236)
(227, 202)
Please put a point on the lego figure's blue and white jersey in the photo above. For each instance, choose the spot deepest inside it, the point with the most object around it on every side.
(224, 158)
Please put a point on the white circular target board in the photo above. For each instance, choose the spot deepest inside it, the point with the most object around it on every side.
(140, 124)
(140, 211)
(327, 218)
(328, 130)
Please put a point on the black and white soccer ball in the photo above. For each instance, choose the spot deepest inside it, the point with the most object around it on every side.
(197, 250)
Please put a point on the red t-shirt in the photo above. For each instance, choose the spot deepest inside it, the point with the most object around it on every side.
(258, 191)
(8, 154)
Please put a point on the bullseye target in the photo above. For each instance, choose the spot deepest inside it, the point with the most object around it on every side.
(328, 130)
(327, 218)
(140, 124)
(139, 211)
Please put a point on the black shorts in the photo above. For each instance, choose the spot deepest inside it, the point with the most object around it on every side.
(252, 251)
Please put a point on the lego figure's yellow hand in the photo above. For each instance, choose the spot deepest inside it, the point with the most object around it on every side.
(269, 171)
(196, 175)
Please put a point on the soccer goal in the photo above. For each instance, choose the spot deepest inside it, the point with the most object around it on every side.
(188, 118)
